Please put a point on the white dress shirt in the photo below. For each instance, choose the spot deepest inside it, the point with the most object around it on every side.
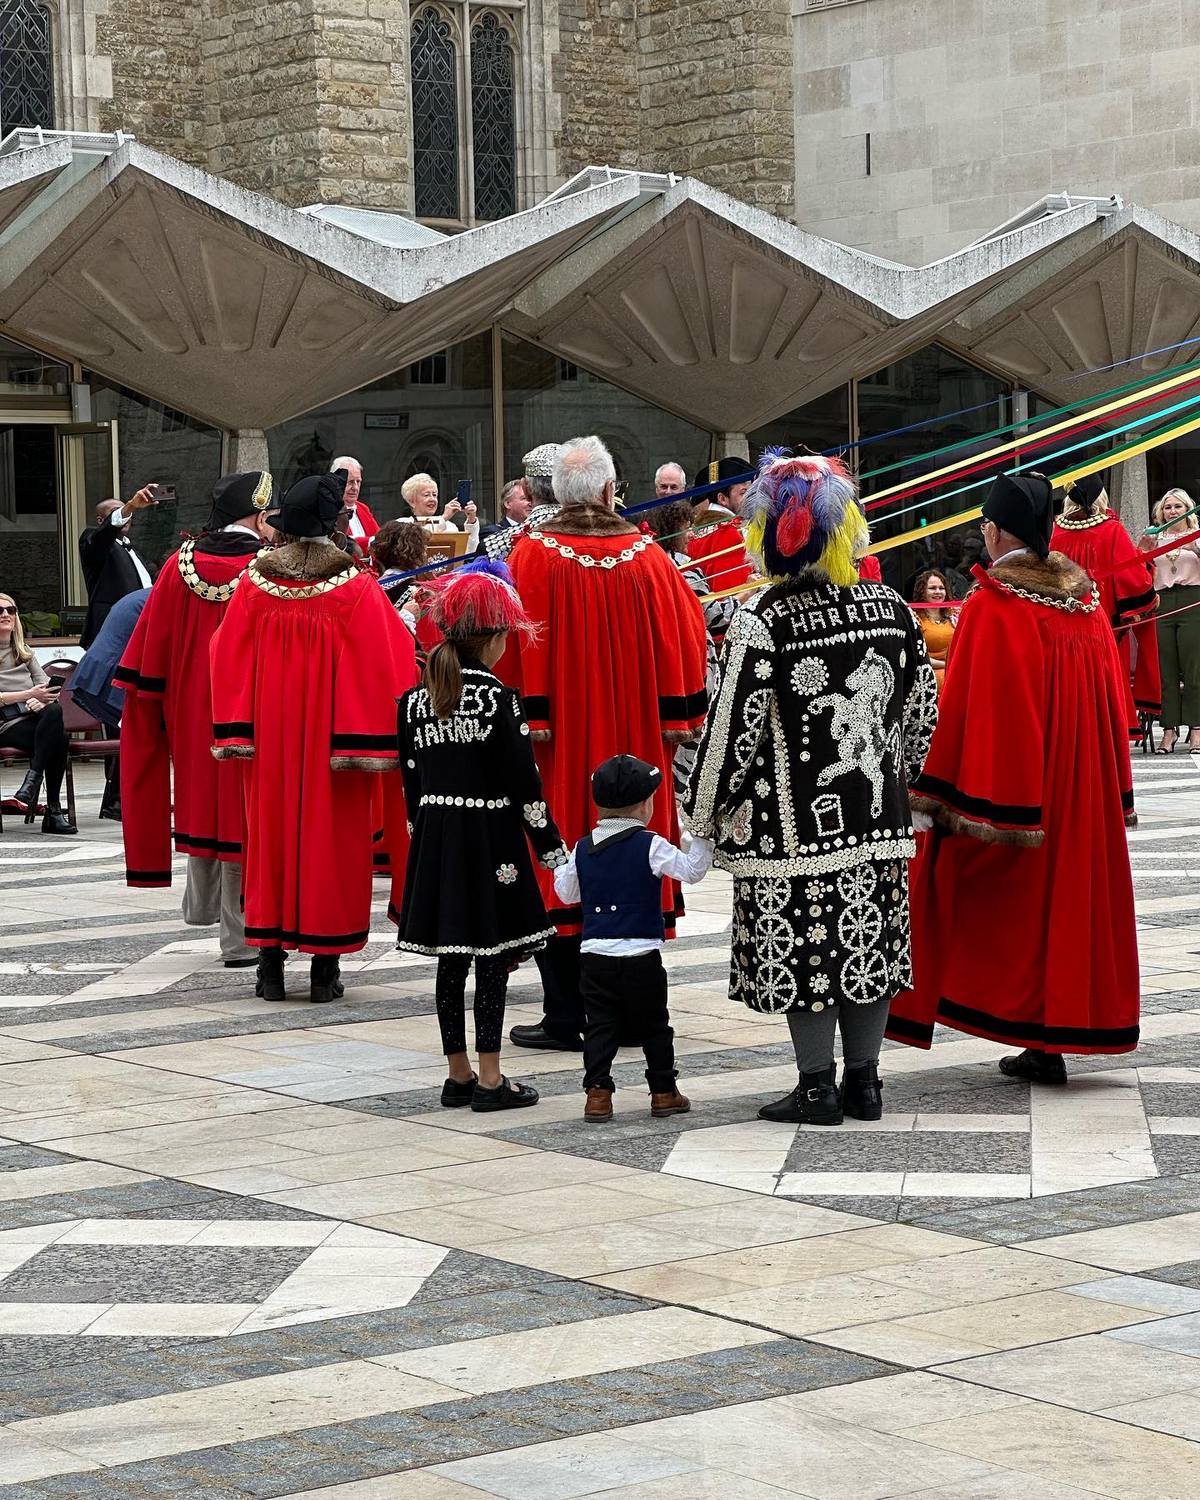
(118, 519)
(354, 527)
(666, 861)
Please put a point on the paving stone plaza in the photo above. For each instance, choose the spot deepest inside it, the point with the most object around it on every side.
(243, 1252)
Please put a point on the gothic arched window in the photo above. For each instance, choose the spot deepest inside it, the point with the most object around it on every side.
(26, 68)
(493, 119)
(435, 116)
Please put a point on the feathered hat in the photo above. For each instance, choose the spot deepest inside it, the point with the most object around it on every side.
(467, 604)
(494, 567)
(802, 513)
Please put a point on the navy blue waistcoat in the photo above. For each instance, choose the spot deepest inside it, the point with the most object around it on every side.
(620, 894)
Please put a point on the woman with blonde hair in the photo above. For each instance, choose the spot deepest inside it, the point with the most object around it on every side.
(31, 720)
(1177, 579)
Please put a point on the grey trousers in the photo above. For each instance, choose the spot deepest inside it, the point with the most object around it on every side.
(214, 894)
(862, 1034)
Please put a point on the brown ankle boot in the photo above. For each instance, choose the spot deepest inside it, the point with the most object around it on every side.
(598, 1109)
(674, 1103)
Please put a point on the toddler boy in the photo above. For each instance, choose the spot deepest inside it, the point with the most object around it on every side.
(616, 874)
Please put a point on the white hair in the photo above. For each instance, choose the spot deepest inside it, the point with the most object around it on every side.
(413, 483)
(344, 463)
(671, 464)
(583, 468)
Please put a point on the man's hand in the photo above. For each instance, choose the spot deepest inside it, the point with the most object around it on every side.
(143, 498)
(452, 509)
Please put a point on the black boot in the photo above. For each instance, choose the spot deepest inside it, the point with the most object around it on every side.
(110, 803)
(27, 793)
(862, 1092)
(324, 979)
(270, 975)
(1035, 1067)
(814, 1101)
(56, 821)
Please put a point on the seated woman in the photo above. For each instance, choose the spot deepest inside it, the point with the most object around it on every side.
(397, 548)
(31, 720)
(937, 625)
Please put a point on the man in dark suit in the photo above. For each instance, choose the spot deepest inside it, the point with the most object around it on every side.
(111, 565)
(515, 505)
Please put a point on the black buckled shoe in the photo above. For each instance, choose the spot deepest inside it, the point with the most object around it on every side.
(458, 1095)
(270, 975)
(1035, 1067)
(325, 979)
(508, 1095)
(56, 821)
(862, 1092)
(814, 1101)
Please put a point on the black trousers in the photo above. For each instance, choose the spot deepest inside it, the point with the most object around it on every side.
(558, 964)
(42, 735)
(626, 997)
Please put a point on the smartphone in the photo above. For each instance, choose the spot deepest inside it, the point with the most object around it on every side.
(56, 682)
(463, 493)
(164, 494)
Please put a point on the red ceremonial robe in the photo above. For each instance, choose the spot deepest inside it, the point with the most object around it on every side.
(306, 670)
(1023, 917)
(167, 722)
(721, 551)
(618, 667)
(1104, 550)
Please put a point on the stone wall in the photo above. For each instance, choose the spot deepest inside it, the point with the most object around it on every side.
(715, 95)
(153, 48)
(596, 76)
(975, 109)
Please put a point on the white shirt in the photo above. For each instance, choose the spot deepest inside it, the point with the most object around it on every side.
(441, 525)
(1016, 552)
(244, 530)
(666, 861)
(354, 527)
(119, 519)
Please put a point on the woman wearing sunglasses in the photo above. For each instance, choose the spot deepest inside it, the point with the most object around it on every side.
(31, 720)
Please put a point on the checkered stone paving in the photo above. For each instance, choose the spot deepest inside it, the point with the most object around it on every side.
(243, 1252)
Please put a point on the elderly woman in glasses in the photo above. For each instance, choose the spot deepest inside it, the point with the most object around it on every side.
(31, 720)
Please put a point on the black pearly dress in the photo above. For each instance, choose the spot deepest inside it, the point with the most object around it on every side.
(475, 805)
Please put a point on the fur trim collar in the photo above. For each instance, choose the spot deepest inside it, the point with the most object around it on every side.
(588, 520)
(305, 562)
(1054, 580)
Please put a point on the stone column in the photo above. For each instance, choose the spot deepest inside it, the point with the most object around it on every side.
(733, 445)
(245, 450)
(1132, 500)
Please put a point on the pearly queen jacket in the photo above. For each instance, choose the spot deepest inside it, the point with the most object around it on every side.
(824, 715)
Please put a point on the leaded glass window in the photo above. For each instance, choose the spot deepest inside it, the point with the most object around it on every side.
(493, 123)
(26, 74)
(435, 116)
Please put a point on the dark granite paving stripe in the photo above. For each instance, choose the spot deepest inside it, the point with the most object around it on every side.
(475, 1425)
(908, 1151)
(473, 1297)
(159, 1198)
(152, 1273)
(1013, 1222)
(21, 1158)
(1176, 1153)
(1186, 1273)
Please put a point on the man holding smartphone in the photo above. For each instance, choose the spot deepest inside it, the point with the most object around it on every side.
(111, 565)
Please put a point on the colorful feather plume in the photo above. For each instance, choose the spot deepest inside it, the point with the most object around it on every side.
(467, 604)
(802, 514)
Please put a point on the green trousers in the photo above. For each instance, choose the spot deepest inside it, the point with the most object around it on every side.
(1179, 656)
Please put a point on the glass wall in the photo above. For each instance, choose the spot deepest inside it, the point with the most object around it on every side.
(954, 402)
(156, 445)
(822, 425)
(434, 417)
(547, 399)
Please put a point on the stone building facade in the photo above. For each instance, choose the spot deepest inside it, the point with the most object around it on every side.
(312, 101)
(923, 124)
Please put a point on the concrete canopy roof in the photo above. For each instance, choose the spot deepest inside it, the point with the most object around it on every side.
(243, 312)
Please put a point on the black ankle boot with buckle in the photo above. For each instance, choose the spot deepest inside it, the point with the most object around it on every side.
(862, 1092)
(27, 793)
(324, 979)
(814, 1101)
(270, 975)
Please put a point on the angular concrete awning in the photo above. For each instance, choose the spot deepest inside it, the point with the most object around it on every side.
(228, 305)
